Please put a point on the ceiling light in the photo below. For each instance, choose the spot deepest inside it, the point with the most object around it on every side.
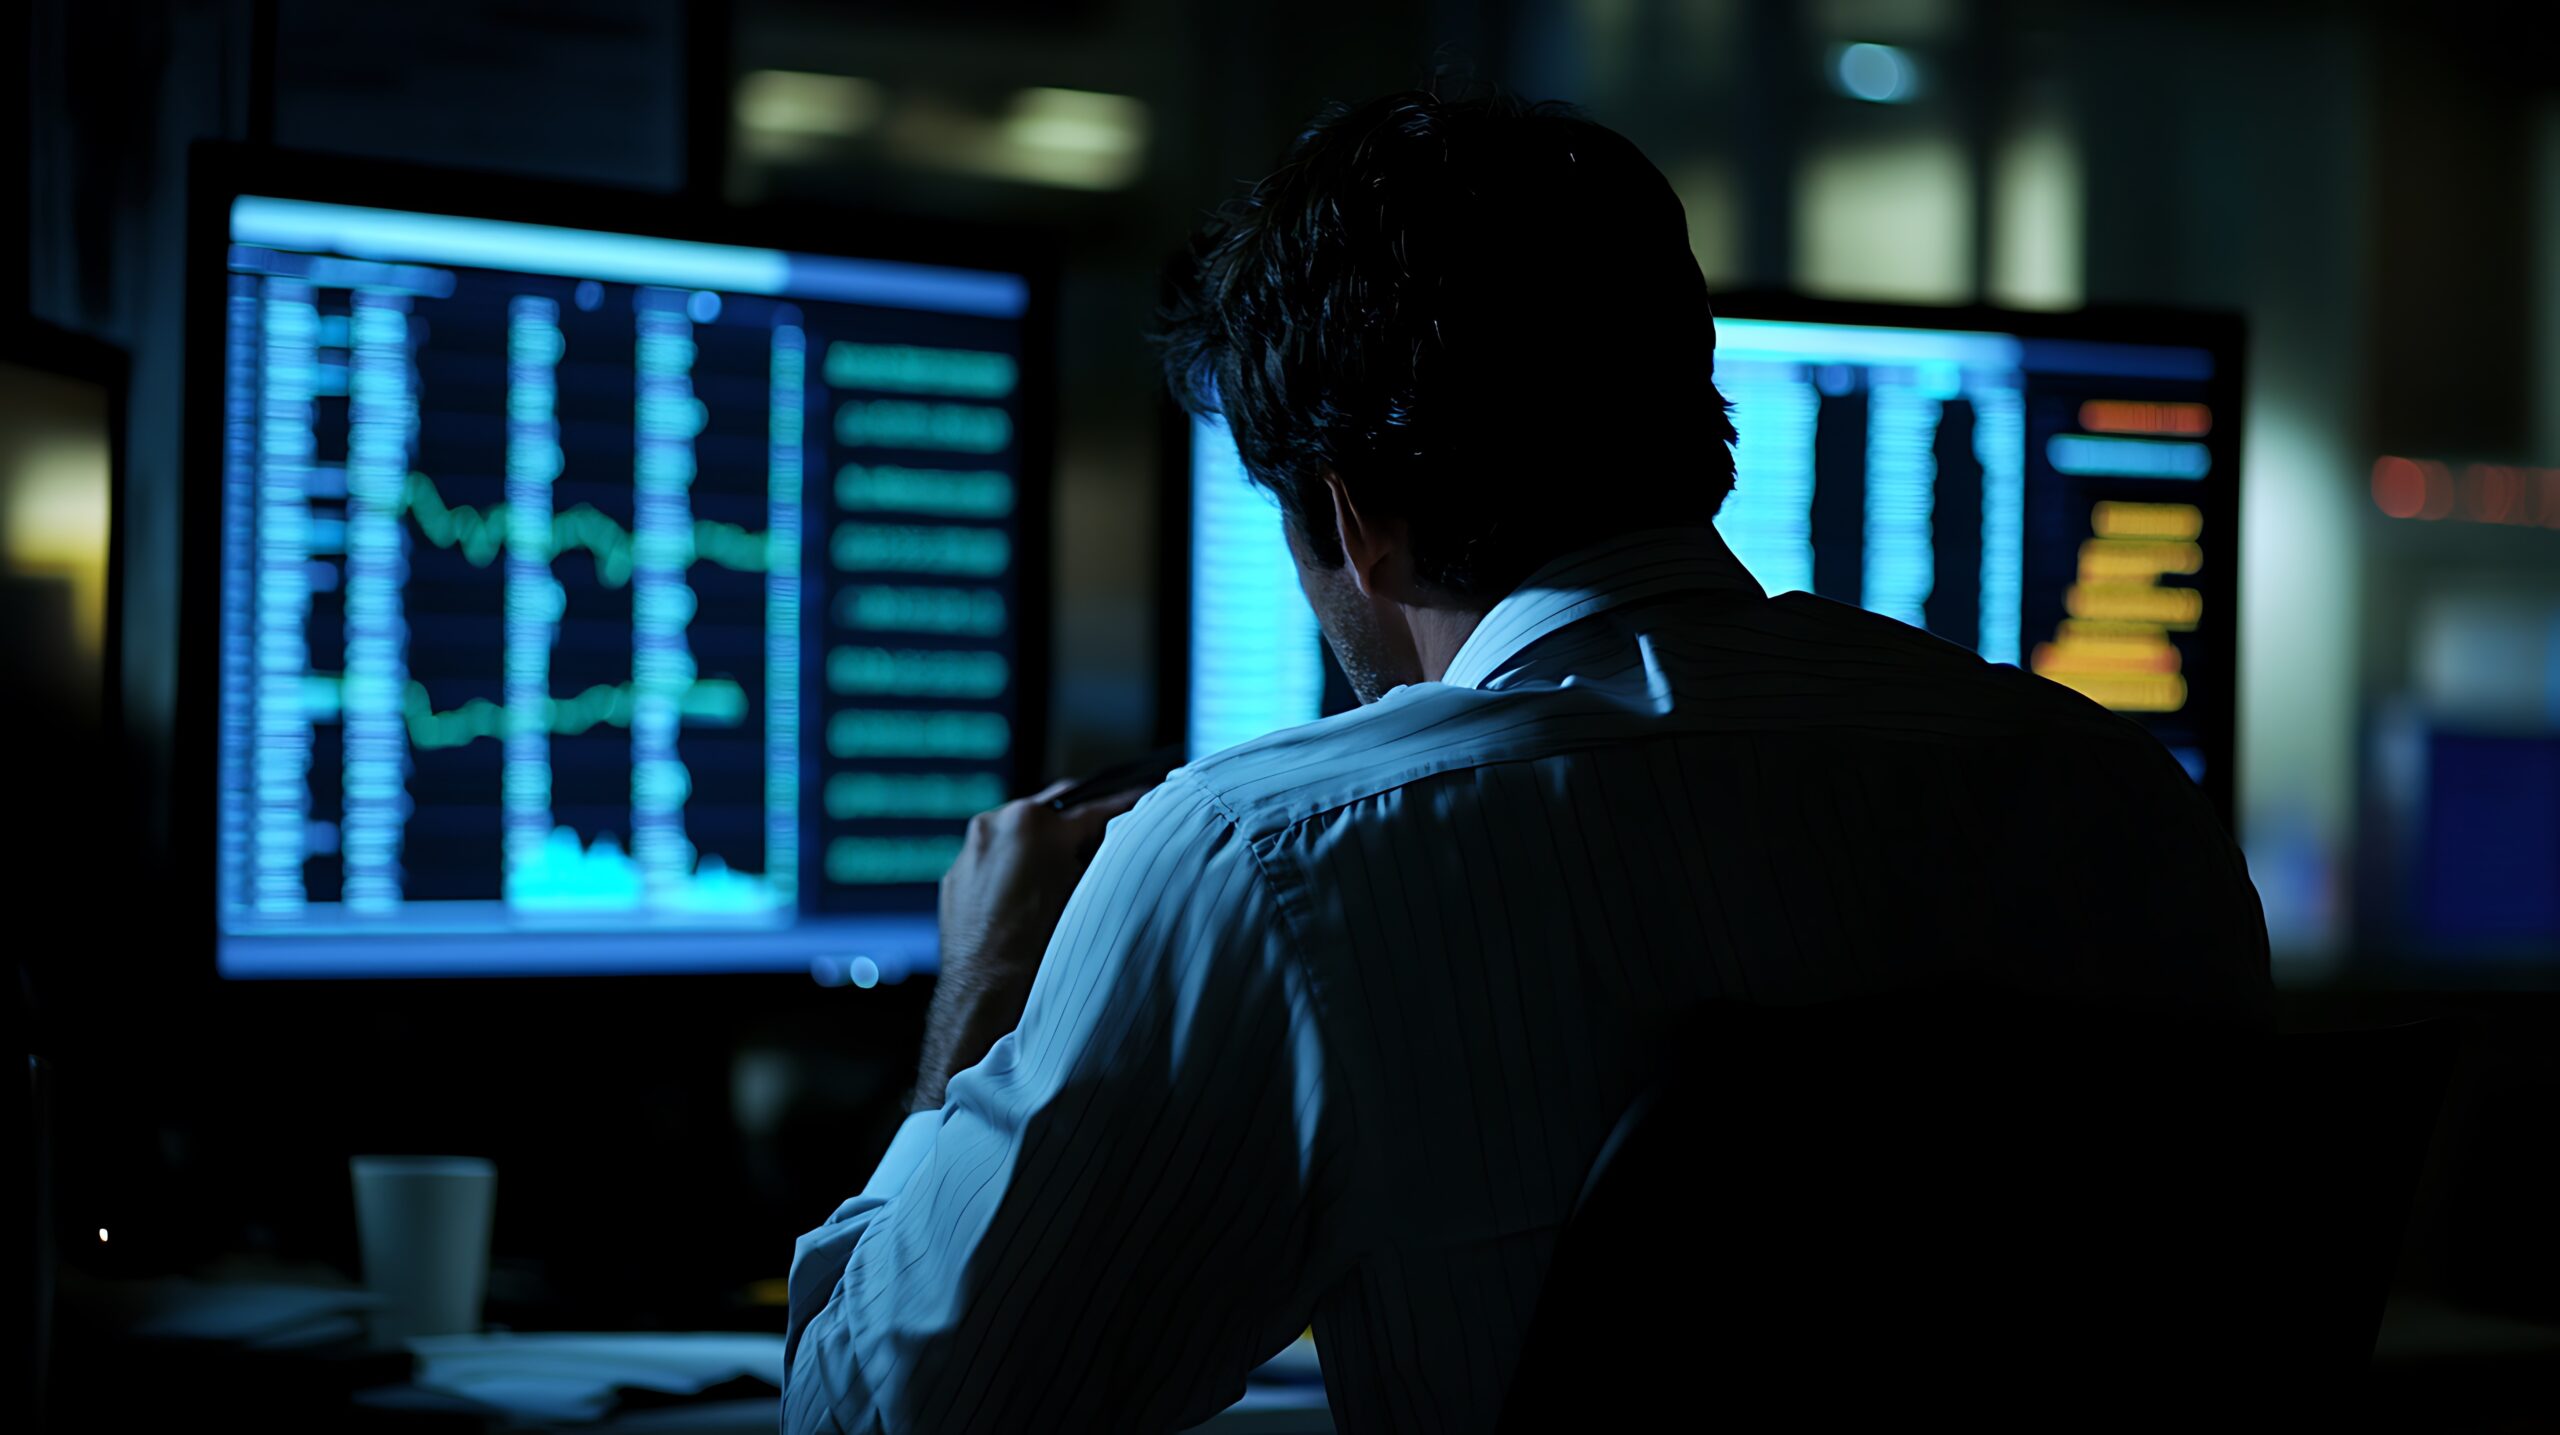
(1878, 74)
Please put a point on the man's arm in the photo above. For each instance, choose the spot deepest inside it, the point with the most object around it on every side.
(1120, 1211)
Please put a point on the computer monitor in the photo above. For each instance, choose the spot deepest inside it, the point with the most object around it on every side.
(2058, 492)
(583, 588)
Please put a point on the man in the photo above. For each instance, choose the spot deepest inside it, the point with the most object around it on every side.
(1331, 1030)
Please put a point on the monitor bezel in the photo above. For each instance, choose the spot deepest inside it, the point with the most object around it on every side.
(220, 172)
(2222, 334)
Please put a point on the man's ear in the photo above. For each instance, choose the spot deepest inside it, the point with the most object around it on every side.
(1373, 547)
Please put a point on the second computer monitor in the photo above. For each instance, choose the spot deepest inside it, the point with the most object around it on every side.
(2055, 492)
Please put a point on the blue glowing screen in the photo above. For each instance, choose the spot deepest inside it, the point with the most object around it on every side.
(2045, 502)
(2489, 865)
(598, 603)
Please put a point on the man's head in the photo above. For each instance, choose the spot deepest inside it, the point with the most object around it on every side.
(1456, 339)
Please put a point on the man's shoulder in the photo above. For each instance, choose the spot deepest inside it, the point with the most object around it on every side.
(1893, 660)
(1412, 734)
(1794, 667)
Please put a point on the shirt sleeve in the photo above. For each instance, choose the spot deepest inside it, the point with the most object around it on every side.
(1123, 1209)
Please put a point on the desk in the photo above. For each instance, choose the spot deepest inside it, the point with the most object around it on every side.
(288, 1357)
(2438, 1366)
(612, 1385)
(1288, 1410)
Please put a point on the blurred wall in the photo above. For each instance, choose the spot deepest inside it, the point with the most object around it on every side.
(2229, 165)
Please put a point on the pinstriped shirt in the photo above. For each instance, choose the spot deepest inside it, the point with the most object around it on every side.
(1333, 1027)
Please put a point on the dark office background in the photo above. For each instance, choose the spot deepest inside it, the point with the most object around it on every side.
(2375, 187)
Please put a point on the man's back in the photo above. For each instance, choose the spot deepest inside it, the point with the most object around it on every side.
(1509, 885)
(1333, 1027)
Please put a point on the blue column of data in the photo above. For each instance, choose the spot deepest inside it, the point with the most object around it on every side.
(242, 400)
(2000, 446)
(920, 658)
(373, 691)
(1768, 518)
(1257, 658)
(280, 760)
(662, 607)
(1901, 478)
(786, 442)
(534, 603)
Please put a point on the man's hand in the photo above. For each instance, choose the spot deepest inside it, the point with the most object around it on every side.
(1000, 902)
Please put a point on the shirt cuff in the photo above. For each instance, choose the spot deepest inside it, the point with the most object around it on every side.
(905, 1154)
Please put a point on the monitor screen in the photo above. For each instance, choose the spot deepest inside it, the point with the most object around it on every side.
(595, 601)
(2052, 494)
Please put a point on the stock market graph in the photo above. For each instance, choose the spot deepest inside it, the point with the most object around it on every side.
(2047, 501)
(595, 602)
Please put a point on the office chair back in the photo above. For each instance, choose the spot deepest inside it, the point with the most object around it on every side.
(2005, 1211)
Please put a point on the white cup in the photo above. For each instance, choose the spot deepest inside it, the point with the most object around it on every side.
(423, 1224)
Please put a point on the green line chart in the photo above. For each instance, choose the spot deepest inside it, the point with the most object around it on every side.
(712, 702)
(480, 535)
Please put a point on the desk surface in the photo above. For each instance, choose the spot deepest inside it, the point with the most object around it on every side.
(1286, 1410)
(579, 1382)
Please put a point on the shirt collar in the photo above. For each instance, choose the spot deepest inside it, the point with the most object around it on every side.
(1606, 575)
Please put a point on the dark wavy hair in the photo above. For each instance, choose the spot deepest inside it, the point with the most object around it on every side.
(1482, 313)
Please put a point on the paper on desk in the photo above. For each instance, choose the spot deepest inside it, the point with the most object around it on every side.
(565, 1377)
(201, 1310)
(341, 1328)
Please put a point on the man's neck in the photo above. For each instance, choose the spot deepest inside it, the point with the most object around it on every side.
(1438, 634)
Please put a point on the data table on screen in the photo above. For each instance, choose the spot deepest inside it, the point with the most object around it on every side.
(2048, 501)
(592, 601)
